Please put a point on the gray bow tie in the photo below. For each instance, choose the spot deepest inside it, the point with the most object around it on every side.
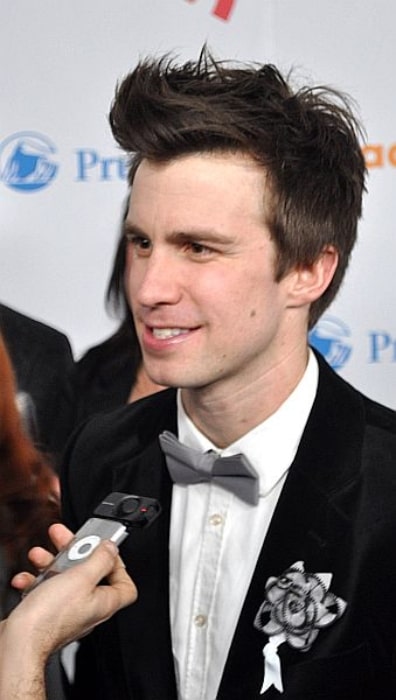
(189, 466)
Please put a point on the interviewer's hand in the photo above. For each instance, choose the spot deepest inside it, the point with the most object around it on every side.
(61, 609)
(70, 604)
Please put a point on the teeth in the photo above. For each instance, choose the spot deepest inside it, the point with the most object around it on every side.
(168, 332)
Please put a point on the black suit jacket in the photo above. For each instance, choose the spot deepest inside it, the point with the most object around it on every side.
(43, 364)
(337, 513)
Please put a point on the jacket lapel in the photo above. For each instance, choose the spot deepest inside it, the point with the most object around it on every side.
(146, 623)
(310, 522)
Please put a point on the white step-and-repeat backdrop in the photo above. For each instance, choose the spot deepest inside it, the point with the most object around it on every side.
(62, 179)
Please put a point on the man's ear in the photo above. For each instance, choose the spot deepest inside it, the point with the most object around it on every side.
(311, 281)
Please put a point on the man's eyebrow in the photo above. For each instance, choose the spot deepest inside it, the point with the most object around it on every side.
(180, 236)
(129, 228)
(200, 235)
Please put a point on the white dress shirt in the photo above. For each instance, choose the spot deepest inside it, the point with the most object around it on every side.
(216, 538)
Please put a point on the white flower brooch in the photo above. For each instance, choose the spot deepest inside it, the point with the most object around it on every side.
(299, 606)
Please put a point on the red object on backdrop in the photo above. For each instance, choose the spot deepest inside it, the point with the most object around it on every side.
(222, 8)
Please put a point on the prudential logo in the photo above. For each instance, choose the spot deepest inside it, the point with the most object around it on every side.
(331, 337)
(26, 161)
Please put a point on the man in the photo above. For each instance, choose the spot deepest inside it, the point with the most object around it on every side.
(245, 198)
(43, 364)
(56, 612)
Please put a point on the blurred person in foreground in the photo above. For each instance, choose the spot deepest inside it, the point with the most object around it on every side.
(272, 568)
(29, 502)
(29, 489)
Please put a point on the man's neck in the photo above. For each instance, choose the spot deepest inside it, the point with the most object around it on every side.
(224, 413)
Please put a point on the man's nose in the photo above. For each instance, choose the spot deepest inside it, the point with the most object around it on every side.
(160, 281)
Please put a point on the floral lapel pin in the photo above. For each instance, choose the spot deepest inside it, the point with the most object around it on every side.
(299, 605)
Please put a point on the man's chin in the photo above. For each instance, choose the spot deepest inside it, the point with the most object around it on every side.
(163, 379)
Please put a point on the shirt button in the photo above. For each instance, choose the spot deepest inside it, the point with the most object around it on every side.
(216, 519)
(200, 620)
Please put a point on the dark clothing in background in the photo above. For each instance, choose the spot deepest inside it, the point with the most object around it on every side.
(44, 367)
(106, 373)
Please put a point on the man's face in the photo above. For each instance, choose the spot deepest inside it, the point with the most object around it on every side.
(200, 273)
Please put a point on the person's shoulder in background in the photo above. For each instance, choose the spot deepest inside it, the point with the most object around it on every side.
(44, 368)
(18, 328)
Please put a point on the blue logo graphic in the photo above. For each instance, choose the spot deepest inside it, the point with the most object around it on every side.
(330, 338)
(26, 161)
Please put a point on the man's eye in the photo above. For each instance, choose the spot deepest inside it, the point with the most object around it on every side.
(198, 248)
(138, 242)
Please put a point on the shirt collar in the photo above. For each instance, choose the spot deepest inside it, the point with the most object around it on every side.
(270, 446)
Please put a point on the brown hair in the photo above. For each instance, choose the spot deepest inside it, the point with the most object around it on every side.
(28, 498)
(307, 141)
